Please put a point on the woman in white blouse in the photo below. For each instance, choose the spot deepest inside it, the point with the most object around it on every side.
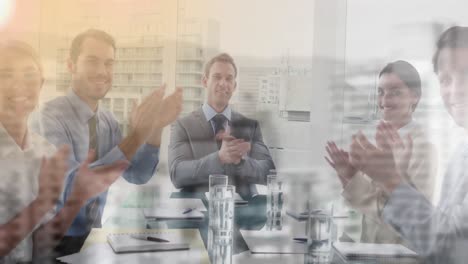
(399, 92)
(32, 171)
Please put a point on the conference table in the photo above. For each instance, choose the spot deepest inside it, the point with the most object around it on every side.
(248, 217)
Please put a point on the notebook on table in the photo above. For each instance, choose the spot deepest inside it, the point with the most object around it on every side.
(272, 242)
(138, 242)
(391, 253)
(97, 249)
(302, 214)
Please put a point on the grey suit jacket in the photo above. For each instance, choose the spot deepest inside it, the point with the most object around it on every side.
(193, 154)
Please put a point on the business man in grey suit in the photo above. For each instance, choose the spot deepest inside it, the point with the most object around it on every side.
(217, 140)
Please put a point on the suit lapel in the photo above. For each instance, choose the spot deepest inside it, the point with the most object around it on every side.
(204, 124)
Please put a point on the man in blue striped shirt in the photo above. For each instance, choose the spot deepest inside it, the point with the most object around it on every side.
(77, 120)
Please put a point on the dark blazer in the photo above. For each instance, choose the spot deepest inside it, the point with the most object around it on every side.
(193, 154)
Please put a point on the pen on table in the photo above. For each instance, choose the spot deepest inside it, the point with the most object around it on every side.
(188, 210)
(304, 240)
(300, 239)
(312, 212)
(149, 238)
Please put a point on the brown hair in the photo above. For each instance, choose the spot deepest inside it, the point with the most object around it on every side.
(223, 57)
(454, 37)
(22, 48)
(97, 34)
(407, 74)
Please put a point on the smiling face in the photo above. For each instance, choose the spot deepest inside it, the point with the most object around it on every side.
(453, 79)
(220, 84)
(92, 71)
(396, 101)
(20, 85)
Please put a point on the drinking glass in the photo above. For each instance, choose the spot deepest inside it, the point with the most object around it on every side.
(221, 223)
(321, 233)
(274, 201)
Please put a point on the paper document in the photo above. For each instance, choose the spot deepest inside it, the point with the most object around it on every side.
(273, 242)
(97, 250)
(103, 254)
(301, 214)
(368, 250)
(135, 242)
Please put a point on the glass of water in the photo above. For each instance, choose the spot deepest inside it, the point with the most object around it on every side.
(214, 180)
(274, 202)
(221, 223)
(321, 233)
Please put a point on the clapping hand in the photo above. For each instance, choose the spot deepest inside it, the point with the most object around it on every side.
(89, 182)
(339, 160)
(376, 162)
(387, 137)
(154, 113)
(232, 149)
(170, 109)
(142, 116)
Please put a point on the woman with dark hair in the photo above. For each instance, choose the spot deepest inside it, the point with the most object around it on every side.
(32, 171)
(399, 91)
(440, 234)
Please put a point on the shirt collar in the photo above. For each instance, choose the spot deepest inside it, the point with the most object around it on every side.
(8, 144)
(210, 112)
(82, 110)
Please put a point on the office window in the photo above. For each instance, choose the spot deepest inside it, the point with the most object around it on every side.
(106, 103)
(119, 104)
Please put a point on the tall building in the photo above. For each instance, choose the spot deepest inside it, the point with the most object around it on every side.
(197, 42)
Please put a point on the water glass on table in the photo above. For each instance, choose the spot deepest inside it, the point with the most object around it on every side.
(221, 223)
(214, 180)
(321, 233)
(275, 201)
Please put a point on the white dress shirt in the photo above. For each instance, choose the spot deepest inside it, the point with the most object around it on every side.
(438, 233)
(210, 113)
(19, 183)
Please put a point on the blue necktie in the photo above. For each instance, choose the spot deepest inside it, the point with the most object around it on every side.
(218, 121)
